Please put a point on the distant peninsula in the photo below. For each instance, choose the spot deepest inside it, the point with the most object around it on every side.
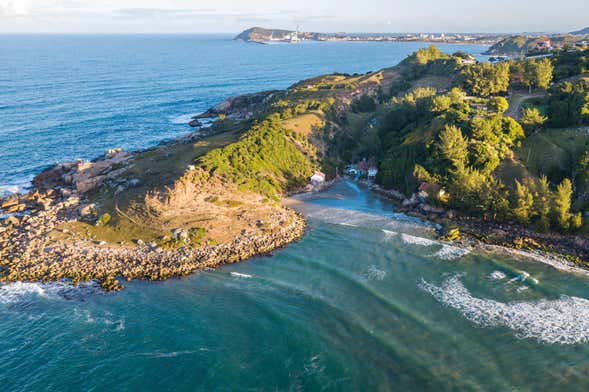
(265, 35)
(584, 31)
(522, 45)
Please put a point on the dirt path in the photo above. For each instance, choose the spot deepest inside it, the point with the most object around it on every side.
(516, 100)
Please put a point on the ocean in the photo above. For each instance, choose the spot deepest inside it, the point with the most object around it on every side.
(367, 300)
(64, 97)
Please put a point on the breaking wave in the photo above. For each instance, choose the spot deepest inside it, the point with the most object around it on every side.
(497, 275)
(9, 189)
(182, 119)
(449, 252)
(389, 235)
(561, 321)
(522, 277)
(23, 291)
(351, 218)
(239, 275)
(446, 252)
(413, 240)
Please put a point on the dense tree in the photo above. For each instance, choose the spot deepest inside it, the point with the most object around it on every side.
(576, 221)
(524, 203)
(452, 146)
(562, 204)
(499, 104)
(473, 191)
(542, 203)
(485, 79)
(532, 119)
(567, 64)
(538, 73)
(568, 104)
(485, 156)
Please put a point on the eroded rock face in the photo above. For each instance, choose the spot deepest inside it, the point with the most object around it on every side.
(83, 176)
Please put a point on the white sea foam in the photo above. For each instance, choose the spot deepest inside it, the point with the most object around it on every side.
(497, 275)
(238, 275)
(24, 291)
(17, 291)
(561, 321)
(413, 240)
(182, 119)
(389, 235)
(8, 189)
(448, 252)
(373, 273)
(522, 277)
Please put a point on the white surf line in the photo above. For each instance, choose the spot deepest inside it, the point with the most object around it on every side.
(240, 275)
(557, 262)
(561, 321)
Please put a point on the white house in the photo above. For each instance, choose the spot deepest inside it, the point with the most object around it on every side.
(318, 178)
(372, 172)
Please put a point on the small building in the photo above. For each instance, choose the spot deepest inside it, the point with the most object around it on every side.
(317, 179)
(544, 44)
(372, 172)
(468, 60)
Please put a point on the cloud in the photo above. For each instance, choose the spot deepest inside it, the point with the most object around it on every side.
(15, 7)
(20, 8)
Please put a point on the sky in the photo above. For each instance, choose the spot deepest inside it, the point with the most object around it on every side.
(232, 16)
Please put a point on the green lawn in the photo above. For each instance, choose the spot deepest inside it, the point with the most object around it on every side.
(554, 151)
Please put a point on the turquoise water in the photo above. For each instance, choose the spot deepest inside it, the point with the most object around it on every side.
(67, 97)
(365, 301)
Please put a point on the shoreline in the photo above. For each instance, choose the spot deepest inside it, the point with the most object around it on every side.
(75, 260)
(33, 254)
(530, 246)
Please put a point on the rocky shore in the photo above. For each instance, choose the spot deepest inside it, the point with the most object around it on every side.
(34, 247)
(563, 251)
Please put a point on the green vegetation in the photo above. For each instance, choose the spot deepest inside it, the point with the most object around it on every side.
(268, 159)
(499, 104)
(469, 147)
(532, 119)
(103, 220)
(462, 137)
(568, 104)
(364, 104)
(485, 79)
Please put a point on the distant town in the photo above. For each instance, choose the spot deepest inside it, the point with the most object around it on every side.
(263, 35)
(502, 46)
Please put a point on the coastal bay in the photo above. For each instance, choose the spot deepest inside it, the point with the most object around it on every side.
(365, 296)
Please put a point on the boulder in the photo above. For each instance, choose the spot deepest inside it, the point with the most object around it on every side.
(9, 203)
(89, 210)
(16, 208)
(180, 234)
(11, 221)
(65, 192)
(195, 123)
